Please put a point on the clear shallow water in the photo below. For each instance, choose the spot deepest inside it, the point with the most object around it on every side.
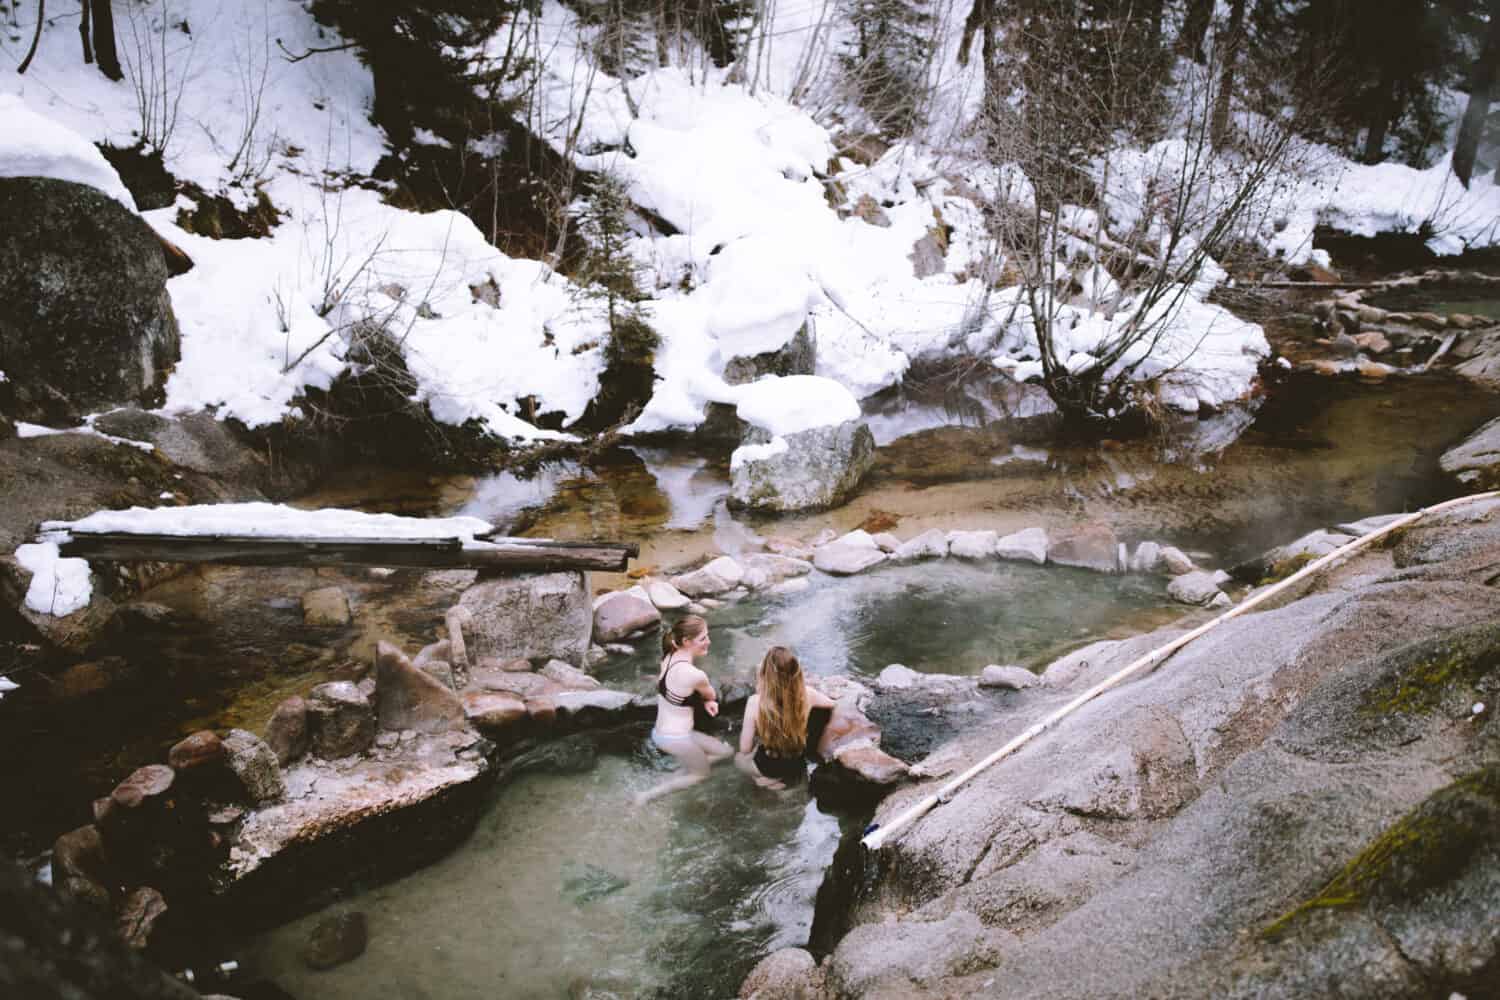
(716, 876)
(568, 890)
(949, 617)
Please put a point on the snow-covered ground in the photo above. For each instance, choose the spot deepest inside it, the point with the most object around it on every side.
(740, 171)
(767, 238)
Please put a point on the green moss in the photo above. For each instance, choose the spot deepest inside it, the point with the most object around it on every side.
(1281, 570)
(1421, 685)
(1426, 848)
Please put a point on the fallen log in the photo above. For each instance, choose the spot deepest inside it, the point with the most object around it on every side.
(501, 553)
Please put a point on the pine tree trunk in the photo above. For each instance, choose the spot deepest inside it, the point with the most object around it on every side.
(1195, 28)
(104, 39)
(1219, 125)
(1480, 88)
(1380, 121)
(83, 33)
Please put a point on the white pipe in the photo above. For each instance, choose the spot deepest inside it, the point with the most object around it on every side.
(878, 835)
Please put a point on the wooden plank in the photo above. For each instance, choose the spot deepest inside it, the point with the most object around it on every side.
(511, 554)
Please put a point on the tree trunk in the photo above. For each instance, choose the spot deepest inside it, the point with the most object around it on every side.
(83, 32)
(1234, 35)
(1480, 88)
(1379, 121)
(41, 11)
(104, 39)
(1195, 29)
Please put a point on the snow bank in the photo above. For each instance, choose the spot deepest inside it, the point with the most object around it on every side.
(1369, 199)
(59, 586)
(270, 520)
(33, 145)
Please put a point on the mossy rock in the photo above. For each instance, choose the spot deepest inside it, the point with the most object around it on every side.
(1428, 675)
(1431, 882)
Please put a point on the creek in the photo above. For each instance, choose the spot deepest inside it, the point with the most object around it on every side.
(565, 889)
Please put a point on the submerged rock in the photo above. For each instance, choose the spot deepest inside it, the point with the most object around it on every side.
(326, 606)
(335, 940)
(584, 882)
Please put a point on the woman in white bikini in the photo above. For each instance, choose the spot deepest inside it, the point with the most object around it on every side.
(680, 686)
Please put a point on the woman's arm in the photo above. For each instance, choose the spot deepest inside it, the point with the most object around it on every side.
(747, 729)
(706, 689)
(817, 699)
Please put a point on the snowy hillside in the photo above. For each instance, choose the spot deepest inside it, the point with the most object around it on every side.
(773, 229)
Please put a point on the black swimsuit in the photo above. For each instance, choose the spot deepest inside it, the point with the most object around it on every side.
(793, 768)
(693, 699)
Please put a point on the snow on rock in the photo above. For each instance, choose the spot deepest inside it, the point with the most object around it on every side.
(35, 145)
(786, 405)
(59, 586)
(7, 685)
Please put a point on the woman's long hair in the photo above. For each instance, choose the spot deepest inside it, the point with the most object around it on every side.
(687, 627)
(781, 722)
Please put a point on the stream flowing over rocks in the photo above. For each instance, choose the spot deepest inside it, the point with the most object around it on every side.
(1303, 802)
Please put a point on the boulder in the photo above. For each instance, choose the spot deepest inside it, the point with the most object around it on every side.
(898, 677)
(887, 542)
(79, 869)
(1008, 677)
(787, 974)
(665, 596)
(568, 676)
(531, 616)
(409, 698)
(777, 545)
(887, 960)
(1175, 562)
(624, 612)
(794, 586)
(287, 732)
(972, 544)
(1145, 559)
(200, 750)
(139, 913)
(87, 321)
(1029, 544)
(1196, 587)
(718, 577)
(493, 712)
(930, 544)
(805, 470)
(341, 720)
(1476, 462)
(254, 763)
(1087, 546)
(852, 553)
(778, 567)
(325, 606)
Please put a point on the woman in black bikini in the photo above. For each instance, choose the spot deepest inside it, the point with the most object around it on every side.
(784, 720)
(680, 686)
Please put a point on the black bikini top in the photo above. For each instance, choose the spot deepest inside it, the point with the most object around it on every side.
(690, 700)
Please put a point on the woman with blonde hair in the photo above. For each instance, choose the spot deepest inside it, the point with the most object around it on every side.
(784, 720)
(680, 687)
